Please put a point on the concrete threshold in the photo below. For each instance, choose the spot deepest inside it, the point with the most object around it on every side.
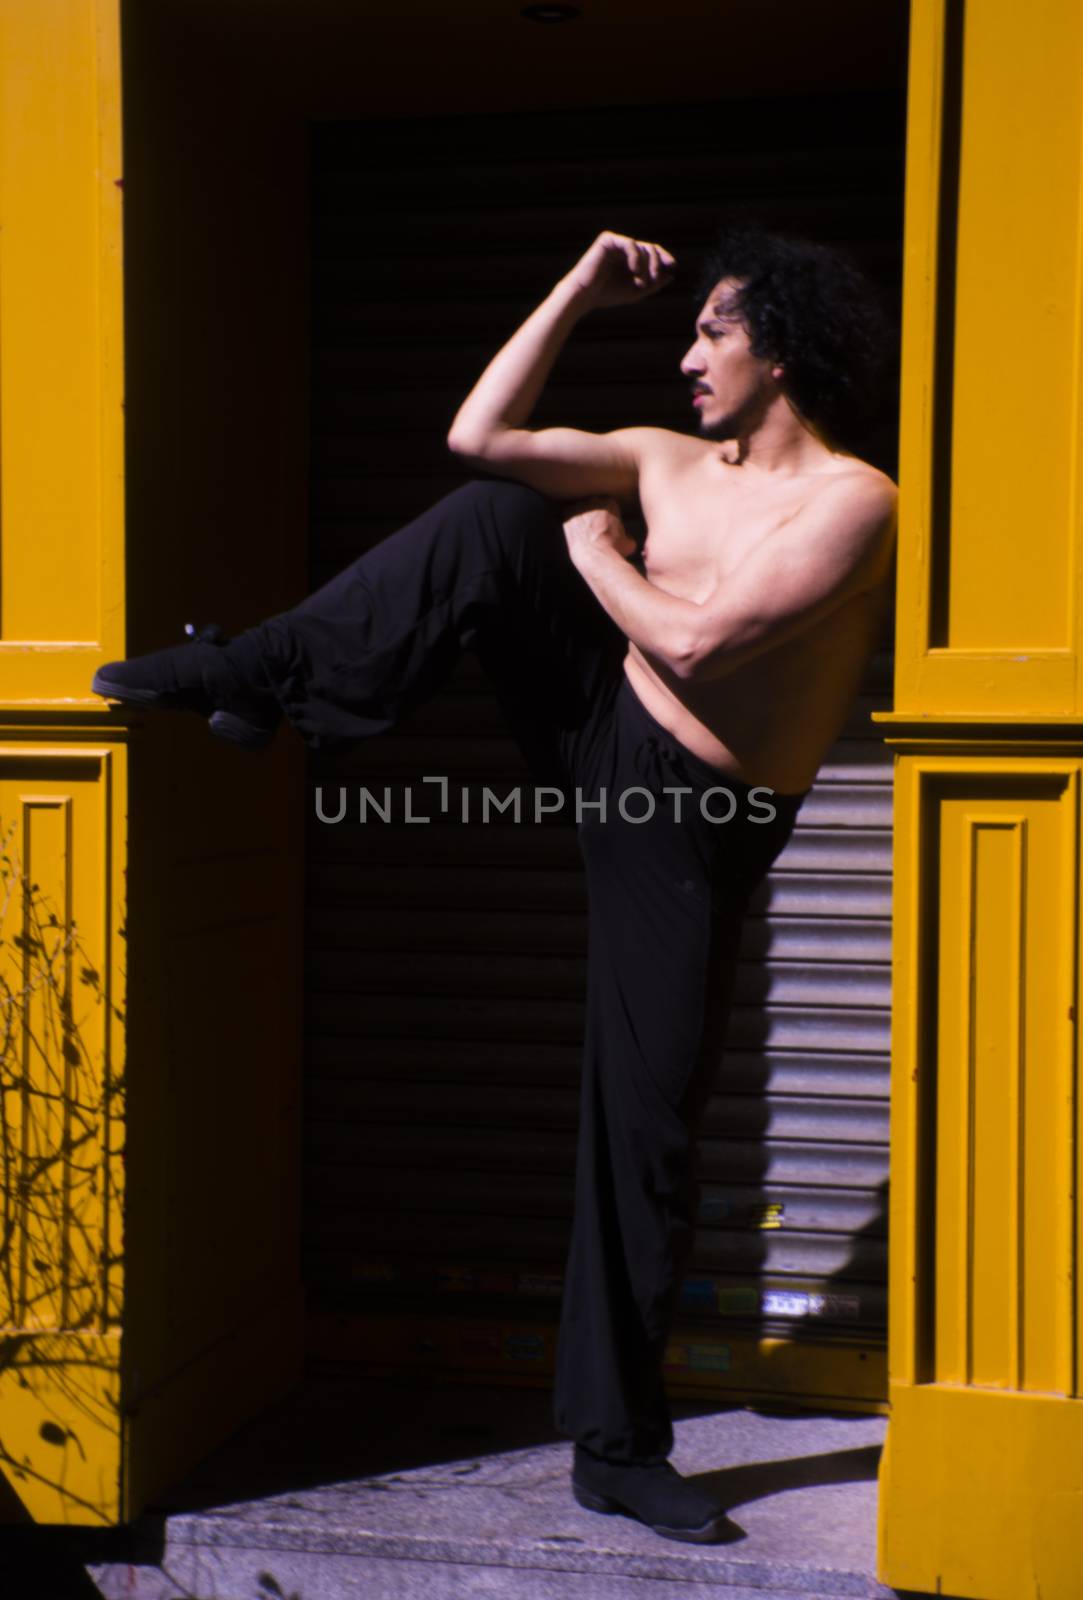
(455, 1491)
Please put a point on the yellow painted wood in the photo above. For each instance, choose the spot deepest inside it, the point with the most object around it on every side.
(985, 1208)
(989, 619)
(60, 1396)
(61, 1127)
(1004, 1075)
(62, 793)
(917, 422)
(1011, 549)
(61, 354)
(984, 1489)
(980, 1482)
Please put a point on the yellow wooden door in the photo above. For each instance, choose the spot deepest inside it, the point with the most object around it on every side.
(982, 1475)
(149, 909)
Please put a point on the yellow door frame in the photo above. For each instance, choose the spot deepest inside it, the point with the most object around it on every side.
(981, 1480)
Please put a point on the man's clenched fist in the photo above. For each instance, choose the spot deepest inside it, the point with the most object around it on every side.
(617, 270)
(593, 524)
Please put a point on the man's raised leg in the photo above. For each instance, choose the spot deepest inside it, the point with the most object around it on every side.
(485, 567)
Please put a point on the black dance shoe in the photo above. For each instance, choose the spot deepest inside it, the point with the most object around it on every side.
(195, 677)
(656, 1495)
(254, 730)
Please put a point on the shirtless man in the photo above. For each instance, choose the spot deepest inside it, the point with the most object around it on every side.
(768, 560)
(726, 666)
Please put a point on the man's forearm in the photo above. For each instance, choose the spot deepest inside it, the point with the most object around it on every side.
(662, 625)
(507, 391)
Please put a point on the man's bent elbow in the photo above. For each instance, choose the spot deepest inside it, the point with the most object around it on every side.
(484, 445)
(684, 658)
(701, 659)
(465, 442)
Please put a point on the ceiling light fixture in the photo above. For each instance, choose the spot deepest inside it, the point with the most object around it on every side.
(550, 13)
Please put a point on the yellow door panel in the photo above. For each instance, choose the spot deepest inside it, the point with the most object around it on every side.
(990, 513)
(982, 1491)
(1004, 907)
(61, 1127)
(61, 353)
(1010, 543)
(984, 1186)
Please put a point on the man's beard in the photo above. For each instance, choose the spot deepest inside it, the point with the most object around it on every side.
(728, 427)
(735, 424)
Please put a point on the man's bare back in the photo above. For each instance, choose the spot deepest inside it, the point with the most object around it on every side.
(772, 720)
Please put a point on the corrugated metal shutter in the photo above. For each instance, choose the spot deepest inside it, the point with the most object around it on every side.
(446, 962)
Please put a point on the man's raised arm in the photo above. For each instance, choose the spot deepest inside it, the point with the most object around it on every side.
(490, 427)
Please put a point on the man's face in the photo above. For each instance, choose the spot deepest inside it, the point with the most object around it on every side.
(730, 386)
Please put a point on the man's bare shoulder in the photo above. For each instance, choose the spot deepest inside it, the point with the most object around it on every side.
(860, 483)
(852, 506)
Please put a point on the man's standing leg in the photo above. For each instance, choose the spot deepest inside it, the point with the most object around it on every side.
(667, 903)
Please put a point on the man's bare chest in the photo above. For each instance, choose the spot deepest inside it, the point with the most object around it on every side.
(697, 538)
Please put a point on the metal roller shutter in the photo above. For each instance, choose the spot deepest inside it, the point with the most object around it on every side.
(446, 962)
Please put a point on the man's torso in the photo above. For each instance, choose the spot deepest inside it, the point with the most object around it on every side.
(771, 720)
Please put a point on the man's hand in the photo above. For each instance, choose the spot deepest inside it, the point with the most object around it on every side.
(617, 270)
(590, 525)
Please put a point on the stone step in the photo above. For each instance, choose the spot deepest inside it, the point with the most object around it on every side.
(434, 1505)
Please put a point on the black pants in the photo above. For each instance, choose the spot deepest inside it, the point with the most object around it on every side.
(668, 879)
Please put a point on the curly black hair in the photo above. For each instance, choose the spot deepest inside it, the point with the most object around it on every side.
(810, 308)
